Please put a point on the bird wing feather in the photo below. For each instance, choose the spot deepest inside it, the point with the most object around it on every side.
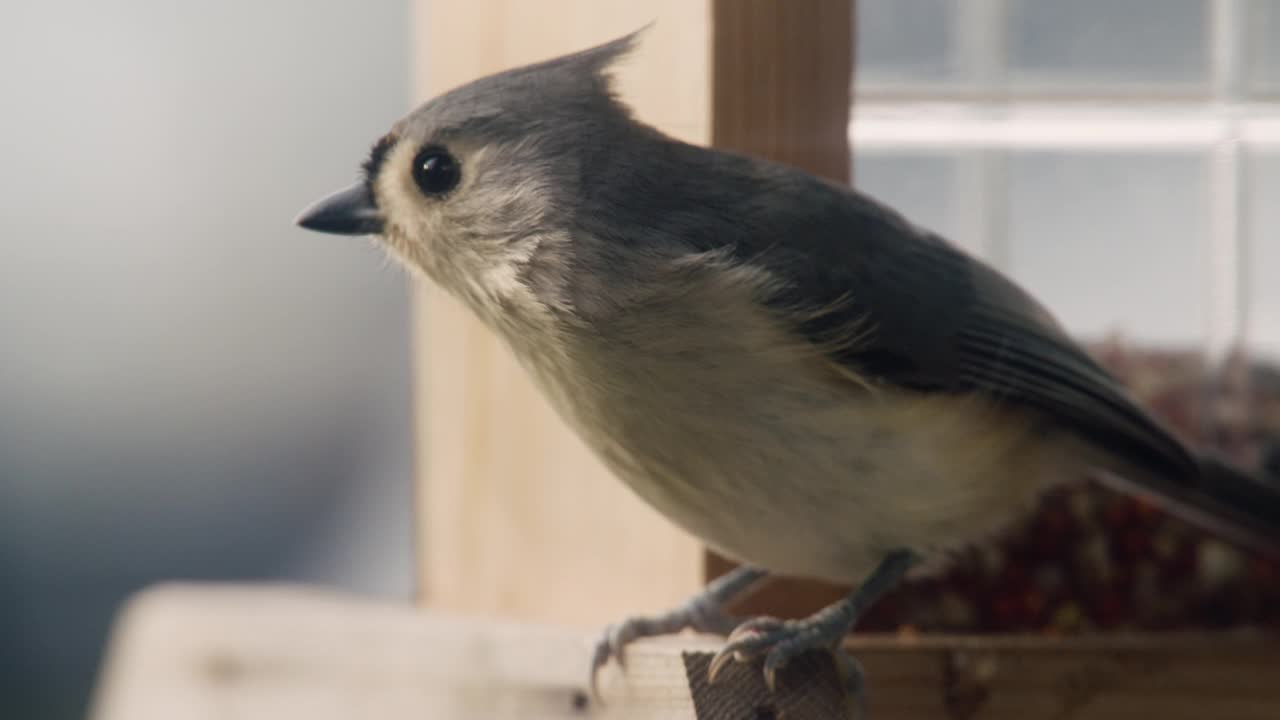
(930, 317)
(900, 306)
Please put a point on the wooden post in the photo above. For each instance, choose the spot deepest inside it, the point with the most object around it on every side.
(782, 82)
(517, 518)
(782, 79)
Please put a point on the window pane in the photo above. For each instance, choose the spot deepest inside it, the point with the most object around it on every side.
(1262, 46)
(923, 186)
(1111, 242)
(905, 41)
(1263, 254)
(1108, 42)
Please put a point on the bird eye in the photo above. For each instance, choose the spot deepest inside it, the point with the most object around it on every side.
(435, 171)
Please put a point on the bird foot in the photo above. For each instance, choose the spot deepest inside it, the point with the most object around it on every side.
(700, 614)
(779, 642)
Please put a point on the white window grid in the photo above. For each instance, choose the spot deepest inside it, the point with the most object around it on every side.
(1222, 118)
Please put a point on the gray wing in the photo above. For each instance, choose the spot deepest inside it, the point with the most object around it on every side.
(941, 321)
(927, 316)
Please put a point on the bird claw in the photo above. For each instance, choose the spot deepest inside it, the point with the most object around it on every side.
(747, 642)
(854, 679)
(780, 642)
(605, 648)
(698, 615)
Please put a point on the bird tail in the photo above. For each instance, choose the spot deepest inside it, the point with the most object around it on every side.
(1221, 499)
(1250, 504)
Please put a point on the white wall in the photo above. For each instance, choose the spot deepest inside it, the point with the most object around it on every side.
(190, 386)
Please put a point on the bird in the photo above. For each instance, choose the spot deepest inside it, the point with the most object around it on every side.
(783, 366)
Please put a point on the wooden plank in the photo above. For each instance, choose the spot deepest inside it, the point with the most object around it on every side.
(239, 652)
(200, 652)
(245, 652)
(515, 516)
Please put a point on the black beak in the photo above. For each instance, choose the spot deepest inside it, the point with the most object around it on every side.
(347, 212)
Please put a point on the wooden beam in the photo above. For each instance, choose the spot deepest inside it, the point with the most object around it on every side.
(201, 652)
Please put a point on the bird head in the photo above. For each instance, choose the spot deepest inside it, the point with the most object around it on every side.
(478, 188)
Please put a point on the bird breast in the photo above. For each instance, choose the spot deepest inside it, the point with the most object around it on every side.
(749, 438)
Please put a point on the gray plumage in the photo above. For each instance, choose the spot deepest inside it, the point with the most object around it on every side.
(785, 367)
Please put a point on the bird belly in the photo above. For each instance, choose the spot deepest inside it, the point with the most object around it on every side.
(829, 497)
(807, 474)
(756, 442)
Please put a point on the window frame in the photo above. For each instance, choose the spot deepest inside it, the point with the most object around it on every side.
(1227, 119)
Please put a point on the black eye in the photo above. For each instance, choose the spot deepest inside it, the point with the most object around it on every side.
(435, 171)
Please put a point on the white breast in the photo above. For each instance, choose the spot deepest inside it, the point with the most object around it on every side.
(756, 443)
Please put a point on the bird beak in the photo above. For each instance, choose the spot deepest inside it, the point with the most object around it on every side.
(350, 211)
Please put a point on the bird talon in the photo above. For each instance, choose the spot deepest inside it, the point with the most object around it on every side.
(599, 659)
(746, 642)
(771, 679)
(620, 636)
(854, 678)
(701, 613)
(718, 663)
(611, 645)
(779, 642)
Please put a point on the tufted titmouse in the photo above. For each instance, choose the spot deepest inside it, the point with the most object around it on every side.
(784, 367)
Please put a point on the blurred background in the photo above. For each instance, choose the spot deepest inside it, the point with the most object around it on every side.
(191, 388)
(1123, 147)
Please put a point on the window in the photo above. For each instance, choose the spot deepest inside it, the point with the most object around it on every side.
(1121, 158)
